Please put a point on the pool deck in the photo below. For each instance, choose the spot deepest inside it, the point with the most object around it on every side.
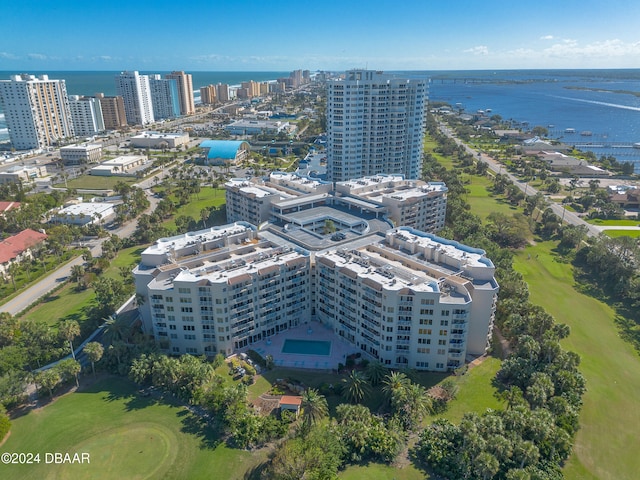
(340, 348)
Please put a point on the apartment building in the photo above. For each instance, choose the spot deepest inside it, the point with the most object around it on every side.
(113, 112)
(208, 95)
(413, 300)
(223, 92)
(36, 110)
(250, 202)
(185, 91)
(410, 203)
(221, 289)
(86, 115)
(136, 96)
(406, 298)
(164, 97)
(375, 124)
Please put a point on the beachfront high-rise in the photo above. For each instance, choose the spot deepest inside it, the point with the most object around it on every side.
(375, 124)
(185, 91)
(112, 111)
(86, 114)
(164, 97)
(136, 94)
(36, 111)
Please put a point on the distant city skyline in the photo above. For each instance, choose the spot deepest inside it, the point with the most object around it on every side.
(331, 35)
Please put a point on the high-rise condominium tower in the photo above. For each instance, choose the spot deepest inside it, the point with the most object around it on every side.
(185, 91)
(375, 124)
(36, 110)
(136, 94)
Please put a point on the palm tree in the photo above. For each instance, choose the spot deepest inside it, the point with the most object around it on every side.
(48, 379)
(376, 371)
(394, 386)
(69, 368)
(355, 387)
(115, 329)
(69, 329)
(314, 407)
(204, 215)
(416, 404)
(94, 351)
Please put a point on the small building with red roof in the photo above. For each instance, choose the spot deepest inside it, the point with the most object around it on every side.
(291, 402)
(18, 247)
(6, 206)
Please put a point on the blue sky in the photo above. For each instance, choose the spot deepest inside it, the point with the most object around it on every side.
(279, 35)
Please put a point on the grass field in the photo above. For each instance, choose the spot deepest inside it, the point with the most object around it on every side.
(614, 223)
(207, 198)
(475, 393)
(376, 471)
(484, 202)
(622, 233)
(91, 182)
(126, 436)
(610, 418)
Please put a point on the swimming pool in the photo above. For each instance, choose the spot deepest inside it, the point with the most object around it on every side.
(307, 347)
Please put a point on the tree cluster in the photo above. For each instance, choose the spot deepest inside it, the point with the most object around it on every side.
(539, 381)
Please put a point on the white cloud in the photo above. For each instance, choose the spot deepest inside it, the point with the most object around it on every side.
(478, 50)
(8, 56)
(37, 56)
(546, 37)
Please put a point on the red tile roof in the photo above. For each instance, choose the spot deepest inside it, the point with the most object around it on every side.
(6, 206)
(13, 246)
(291, 400)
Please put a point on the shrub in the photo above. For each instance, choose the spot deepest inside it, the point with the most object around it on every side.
(5, 426)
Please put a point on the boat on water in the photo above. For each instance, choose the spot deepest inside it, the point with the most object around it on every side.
(636, 145)
(569, 130)
(586, 133)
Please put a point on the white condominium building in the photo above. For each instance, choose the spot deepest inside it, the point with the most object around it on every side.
(410, 203)
(375, 124)
(136, 95)
(406, 298)
(221, 289)
(86, 113)
(36, 111)
(250, 202)
(413, 300)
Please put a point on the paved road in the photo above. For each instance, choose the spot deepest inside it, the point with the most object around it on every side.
(495, 166)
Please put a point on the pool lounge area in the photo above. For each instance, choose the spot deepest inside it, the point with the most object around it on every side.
(311, 345)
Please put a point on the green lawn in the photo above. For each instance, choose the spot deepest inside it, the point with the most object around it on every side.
(483, 202)
(91, 182)
(610, 418)
(207, 198)
(66, 303)
(126, 436)
(475, 393)
(617, 223)
(377, 471)
(622, 233)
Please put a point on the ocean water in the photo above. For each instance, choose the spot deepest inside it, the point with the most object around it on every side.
(605, 103)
